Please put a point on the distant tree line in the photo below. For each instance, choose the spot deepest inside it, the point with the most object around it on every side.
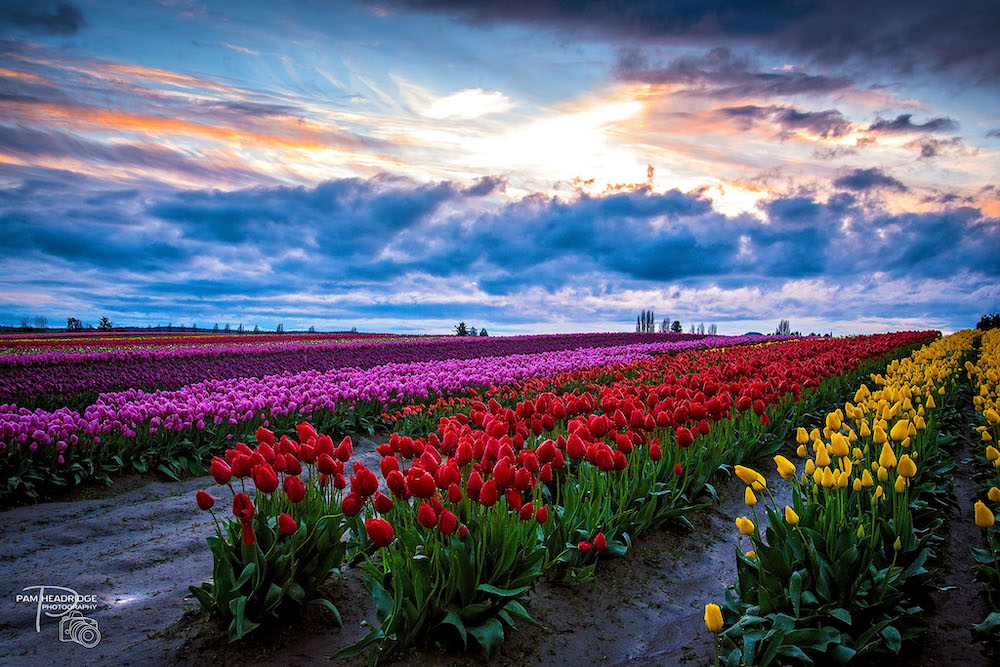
(462, 330)
(645, 322)
(987, 322)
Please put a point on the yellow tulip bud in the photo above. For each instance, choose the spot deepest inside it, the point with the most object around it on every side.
(856, 484)
(866, 480)
(801, 451)
(751, 554)
(900, 484)
(879, 493)
(919, 423)
(984, 517)
(992, 416)
(802, 436)
(749, 498)
(828, 478)
(887, 459)
(911, 430)
(879, 436)
(744, 525)
(994, 494)
(842, 480)
(897, 545)
(857, 453)
(818, 476)
(882, 474)
(930, 402)
(814, 434)
(822, 458)
(865, 431)
(713, 617)
(785, 467)
(861, 532)
(907, 468)
(991, 453)
(810, 467)
(790, 516)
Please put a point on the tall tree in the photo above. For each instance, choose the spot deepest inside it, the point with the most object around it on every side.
(676, 326)
(104, 324)
(461, 329)
(280, 329)
(482, 332)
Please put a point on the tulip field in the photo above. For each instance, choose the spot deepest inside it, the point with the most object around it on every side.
(469, 486)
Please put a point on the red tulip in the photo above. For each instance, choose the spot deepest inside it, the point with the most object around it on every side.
(305, 432)
(426, 516)
(488, 494)
(463, 531)
(448, 522)
(339, 482)
(655, 453)
(286, 524)
(584, 546)
(379, 531)
(388, 464)
(344, 449)
(420, 483)
(364, 482)
(382, 502)
(527, 511)
(396, 483)
(264, 436)
(454, 493)
(352, 504)
(474, 485)
(325, 464)
(264, 478)
(221, 471)
(204, 499)
(542, 514)
(600, 542)
(684, 437)
(292, 465)
(242, 507)
(295, 489)
(677, 469)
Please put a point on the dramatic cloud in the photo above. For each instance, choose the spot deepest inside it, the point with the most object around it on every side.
(40, 16)
(952, 37)
(903, 125)
(720, 73)
(388, 247)
(868, 179)
(826, 124)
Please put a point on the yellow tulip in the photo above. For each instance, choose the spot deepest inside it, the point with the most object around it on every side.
(842, 480)
(713, 617)
(991, 453)
(984, 517)
(744, 525)
(749, 498)
(802, 436)
(992, 416)
(879, 493)
(866, 480)
(897, 545)
(907, 468)
(911, 430)
(930, 402)
(856, 484)
(785, 467)
(879, 435)
(814, 434)
(919, 423)
(899, 430)
(801, 451)
(749, 476)
(818, 476)
(882, 474)
(810, 467)
(751, 554)
(987, 437)
(994, 494)
(790, 516)
(900, 485)
(865, 431)
(828, 479)
(887, 459)
(838, 445)
(822, 458)
(833, 422)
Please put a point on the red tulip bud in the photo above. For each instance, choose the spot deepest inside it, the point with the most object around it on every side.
(600, 542)
(221, 471)
(426, 516)
(286, 524)
(542, 514)
(379, 531)
(448, 522)
(584, 546)
(204, 499)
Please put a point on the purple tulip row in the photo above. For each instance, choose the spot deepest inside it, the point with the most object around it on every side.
(29, 378)
(231, 401)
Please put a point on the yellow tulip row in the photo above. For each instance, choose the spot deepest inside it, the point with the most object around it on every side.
(985, 378)
(876, 439)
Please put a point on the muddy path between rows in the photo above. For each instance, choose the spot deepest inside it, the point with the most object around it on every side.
(139, 550)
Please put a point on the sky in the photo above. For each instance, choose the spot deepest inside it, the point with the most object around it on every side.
(528, 166)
